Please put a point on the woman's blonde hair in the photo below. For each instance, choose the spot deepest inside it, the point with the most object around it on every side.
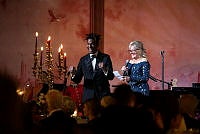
(69, 105)
(54, 99)
(138, 45)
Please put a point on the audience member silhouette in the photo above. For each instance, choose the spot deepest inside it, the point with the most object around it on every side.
(107, 101)
(188, 107)
(69, 105)
(56, 121)
(92, 112)
(124, 112)
(124, 96)
(15, 115)
(166, 112)
(120, 118)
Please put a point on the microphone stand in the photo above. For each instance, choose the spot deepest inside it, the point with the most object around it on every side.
(162, 54)
(156, 80)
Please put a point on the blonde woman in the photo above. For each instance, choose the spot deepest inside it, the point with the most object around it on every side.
(137, 69)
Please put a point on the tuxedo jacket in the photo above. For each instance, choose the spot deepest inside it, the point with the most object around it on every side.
(96, 83)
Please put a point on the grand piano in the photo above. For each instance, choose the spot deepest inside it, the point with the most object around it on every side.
(195, 90)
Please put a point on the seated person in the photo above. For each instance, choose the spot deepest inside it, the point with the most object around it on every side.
(69, 105)
(107, 101)
(188, 107)
(56, 120)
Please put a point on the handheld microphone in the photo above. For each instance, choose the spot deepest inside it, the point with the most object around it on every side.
(125, 73)
(127, 61)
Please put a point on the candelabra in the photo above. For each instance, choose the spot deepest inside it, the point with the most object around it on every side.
(37, 69)
(35, 55)
(61, 62)
(49, 64)
(35, 66)
(40, 75)
(48, 75)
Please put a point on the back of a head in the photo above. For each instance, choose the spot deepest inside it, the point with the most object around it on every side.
(188, 104)
(69, 105)
(107, 101)
(141, 100)
(92, 106)
(8, 87)
(54, 99)
(124, 95)
(169, 107)
(10, 103)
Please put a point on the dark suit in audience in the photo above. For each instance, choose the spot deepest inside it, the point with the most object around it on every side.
(59, 122)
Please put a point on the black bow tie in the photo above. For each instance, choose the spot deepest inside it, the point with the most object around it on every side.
(93, 56)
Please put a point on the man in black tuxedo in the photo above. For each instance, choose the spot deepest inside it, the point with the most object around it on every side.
(96, 68)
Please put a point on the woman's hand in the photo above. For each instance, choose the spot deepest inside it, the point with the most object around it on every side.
(126, 78)
(124, 68)
(101, 65)
(72, 70)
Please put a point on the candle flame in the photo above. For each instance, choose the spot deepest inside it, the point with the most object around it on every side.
(65, 54)
(36, 34)
(20, 92)
(49, 38)
(59, 49)
(75, 114)
(42, 49)
(61, 46)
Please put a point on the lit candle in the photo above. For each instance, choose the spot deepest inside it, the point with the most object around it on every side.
(61, 47)
(36, 36)
(41, 56)
(48, 42)
(59, 50)
(65, 55)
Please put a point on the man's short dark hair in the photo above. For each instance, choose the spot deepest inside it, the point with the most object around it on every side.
(93, 36)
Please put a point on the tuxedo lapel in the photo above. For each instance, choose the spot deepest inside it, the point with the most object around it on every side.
(98, 60)
(99, 57)
(89, 64)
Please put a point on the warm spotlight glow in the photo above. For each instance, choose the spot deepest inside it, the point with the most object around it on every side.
(59, 49)
(42, 48)
(74, 114)
(20, 92)
(65, 54)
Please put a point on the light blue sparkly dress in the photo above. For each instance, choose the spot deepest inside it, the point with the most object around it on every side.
(139, 76)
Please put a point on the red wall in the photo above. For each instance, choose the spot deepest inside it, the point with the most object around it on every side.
(168, 25)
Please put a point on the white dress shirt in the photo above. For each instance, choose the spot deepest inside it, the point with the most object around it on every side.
(94, 60)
